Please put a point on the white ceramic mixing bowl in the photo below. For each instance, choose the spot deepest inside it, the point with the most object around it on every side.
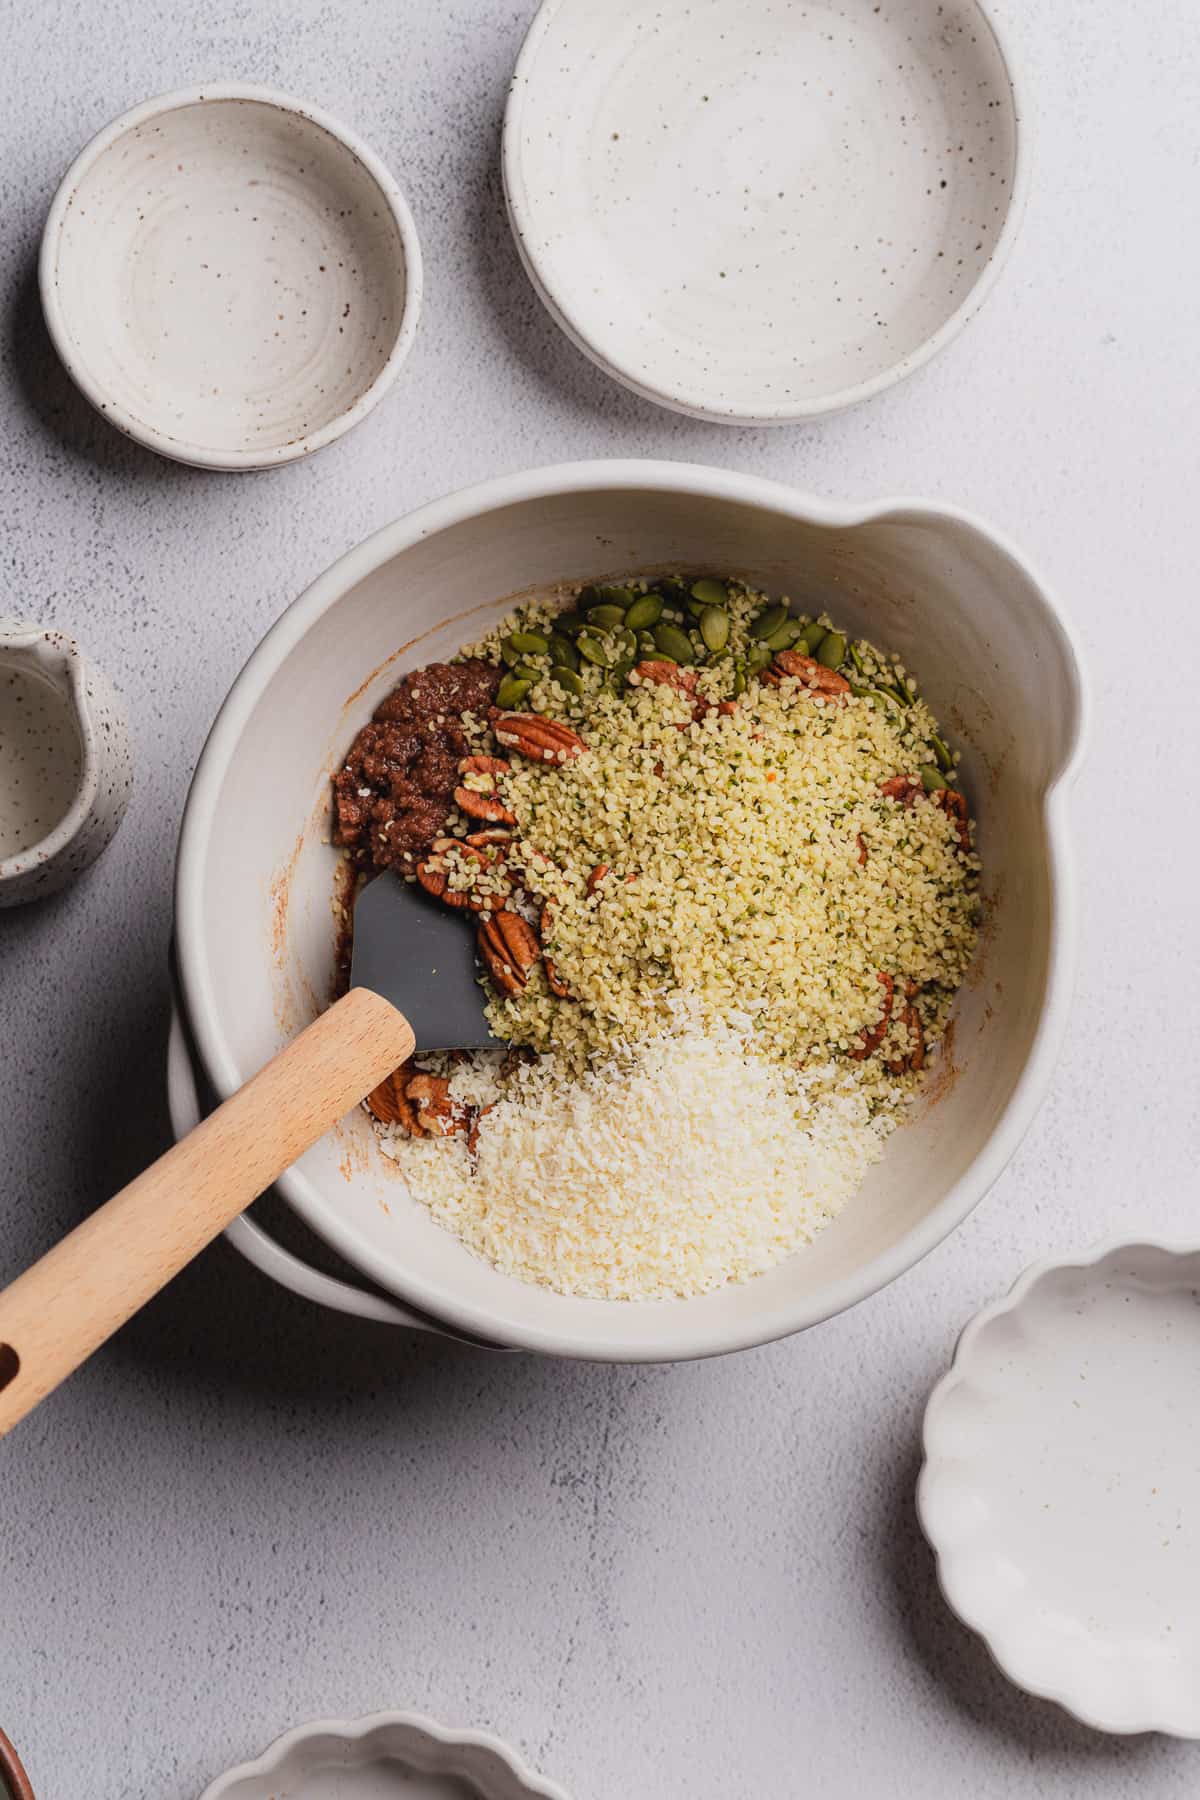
(254, 877)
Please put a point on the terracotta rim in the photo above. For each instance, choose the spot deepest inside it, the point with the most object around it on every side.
(12, 1772)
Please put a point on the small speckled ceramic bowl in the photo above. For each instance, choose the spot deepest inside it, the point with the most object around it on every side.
(230, 276)
(759, 211)
(1061, 1486)
(388, 1756)
(65, 764)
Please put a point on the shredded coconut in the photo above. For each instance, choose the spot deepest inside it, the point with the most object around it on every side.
(685, 1162)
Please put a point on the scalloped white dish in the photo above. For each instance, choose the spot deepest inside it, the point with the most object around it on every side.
(1061, 1485)
(386, 1756)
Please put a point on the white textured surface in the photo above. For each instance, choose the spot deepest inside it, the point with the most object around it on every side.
(692, 1582)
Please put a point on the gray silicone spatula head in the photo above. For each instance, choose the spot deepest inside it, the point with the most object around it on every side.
(420, 955)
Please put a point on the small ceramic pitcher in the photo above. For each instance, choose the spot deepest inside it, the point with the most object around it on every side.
(64, 761)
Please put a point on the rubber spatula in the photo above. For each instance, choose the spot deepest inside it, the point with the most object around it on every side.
(414, 986)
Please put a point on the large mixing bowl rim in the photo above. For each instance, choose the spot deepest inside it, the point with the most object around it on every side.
(435, 1296)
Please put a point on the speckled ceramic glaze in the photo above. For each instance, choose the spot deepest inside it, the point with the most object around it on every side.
(1061, 1487)
(230, 276)
(389, 1756)
(65, 767)
(762, 210)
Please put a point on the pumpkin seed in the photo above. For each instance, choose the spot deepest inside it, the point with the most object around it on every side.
(625, 644)
(645, 611)
(529, 643)
(604, 593)
(831, 651)
(941, 750)
(739, 678)
(814, 637)
(674, 643)
(757, 658)
(606, 617)
(931, 779)
(569, 623)
(512, 691)
(594, 649)
(710, 592)
(646, 644)
(714, 622)
(562, 651)
(672, 588)
(567, 678)
(856, 657)
(767, 623)
(526, 672)
(619, 672)
(789, 633)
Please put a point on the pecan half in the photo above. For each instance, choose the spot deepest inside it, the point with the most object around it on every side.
(437, 1113)
(914, 1057)
(872, 1036)
(483, 803)
(954, 805)
(484, 765)
(541, 740)
(491, 834)
(666, 674)
(903, 789)
(508, 950)
(817, 680)
(434, 875)
(597, 876)
(862, 849)
(488, 808)
(553, 980)
(389, 1102)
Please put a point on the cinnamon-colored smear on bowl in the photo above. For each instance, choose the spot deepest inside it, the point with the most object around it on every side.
(393, 793)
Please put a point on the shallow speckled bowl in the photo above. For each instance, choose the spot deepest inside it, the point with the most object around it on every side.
(230, 276)
(759, 211)
(1061, 1486)
(388, 1756)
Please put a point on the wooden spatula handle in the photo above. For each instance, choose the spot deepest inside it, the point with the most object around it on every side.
(58, 1312)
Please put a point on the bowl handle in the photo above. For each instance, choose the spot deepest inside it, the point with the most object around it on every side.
(248, 1237)
(14, 1782)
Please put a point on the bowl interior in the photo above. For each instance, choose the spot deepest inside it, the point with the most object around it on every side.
(43, 765)
(788, 202)
(256, 873)
(229, 276)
